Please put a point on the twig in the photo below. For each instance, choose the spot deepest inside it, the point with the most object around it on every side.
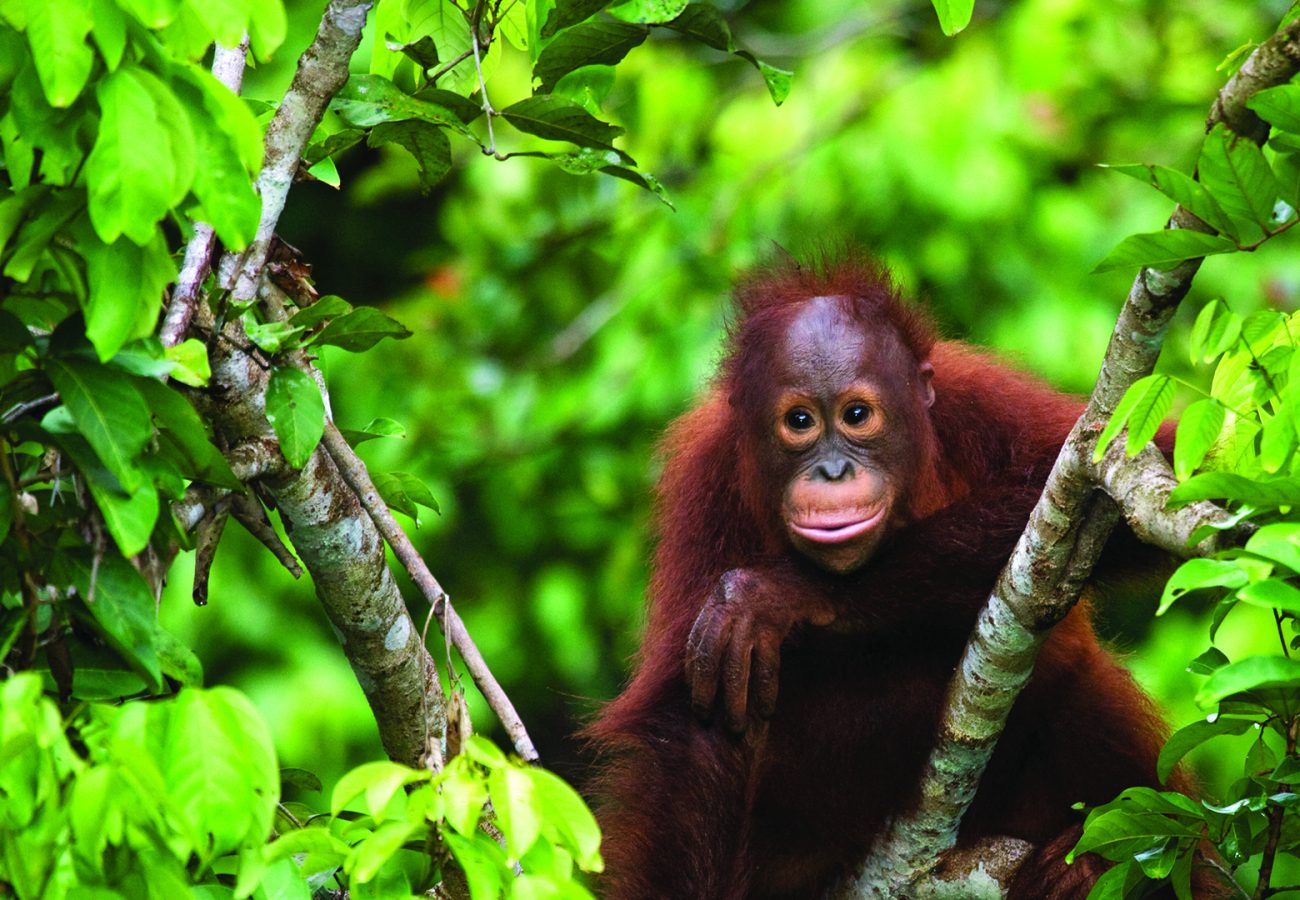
(20, 409)
(228, 68)
(355, 474)
(488, 111)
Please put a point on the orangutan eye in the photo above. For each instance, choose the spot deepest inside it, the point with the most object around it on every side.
(856, 414)
(799, 420)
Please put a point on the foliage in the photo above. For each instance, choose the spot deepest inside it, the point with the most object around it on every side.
(1236, 445)
(179, 798)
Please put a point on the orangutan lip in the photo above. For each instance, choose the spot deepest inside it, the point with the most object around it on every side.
(830, 530)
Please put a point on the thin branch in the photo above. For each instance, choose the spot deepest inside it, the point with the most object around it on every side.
(228, 68)
(355, 474)
(488, 111)
(1141, 485)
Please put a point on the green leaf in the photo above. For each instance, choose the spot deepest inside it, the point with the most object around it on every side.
(224, 20)
(220, 770)
(368, 100)
(327, 307)
(125, 291)
(1216, 330)
(405, 493)
(1201, 575)
(110, 31)
(588, 44)
(57, 30)
(1279, 106)
(361, 329)
(1271, 594)
(954, 15)
(297, 413)
(1143, 398)
(703, 22)
(559, 119)
(1277, 439)
(267, 27)
(372, 853)
(517, 815)
(567, 817)
(465, 791)
(222, 185)
(1149, 412)
(1234, 171)
(1272, 681)
(1262, 493)
(1208, 662)
(120, 605)
(1184, 190)
(1279, 542)
(191, 362)
(131, 171)
(648, 12)
(155, 14)
(228, 114)
(332, 145)
(108, 411)
(1198, 431)
(427, 143)
(570, 12)
(378, 428)
(483, 862)
(181, 426)
(376, 783)
(1163, 249)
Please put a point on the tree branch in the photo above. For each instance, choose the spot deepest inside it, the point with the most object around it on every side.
(354, 472)
(228, 67)
(1057, 550)
(322, 71)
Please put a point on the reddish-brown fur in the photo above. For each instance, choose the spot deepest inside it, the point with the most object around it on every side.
(692, 811)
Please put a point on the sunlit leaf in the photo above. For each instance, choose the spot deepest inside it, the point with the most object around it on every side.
(954, 15)
(57, 30)
(1163, 249)
(588, 44)
(1234, 171)
(1200, 575)
(1185, 190)
(1216, 329)
(1198, 430)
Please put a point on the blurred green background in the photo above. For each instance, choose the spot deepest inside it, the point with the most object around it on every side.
(560, 321)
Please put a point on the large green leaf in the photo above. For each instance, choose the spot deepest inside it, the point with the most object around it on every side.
(1279, 106)
(588, 44)
(1198, 430)
(1142, 408)
(120, 603)
(361, 329)
(221, 772)
(1201, 575)
(222, 184)
(368, 100)
(954, 15)
(1163, 249)
(131, 171)
(109, 412)
(1265, 493)
(1188, 738)
(1279, 542)
(570, 12)
(427, 143)
(559, 119)
(57, 30)
(297, 413)
(1185, 190)
(1271, 681)
(125, 290)
(1236, 174)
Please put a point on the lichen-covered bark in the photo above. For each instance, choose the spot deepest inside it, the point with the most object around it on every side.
(341, 548)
